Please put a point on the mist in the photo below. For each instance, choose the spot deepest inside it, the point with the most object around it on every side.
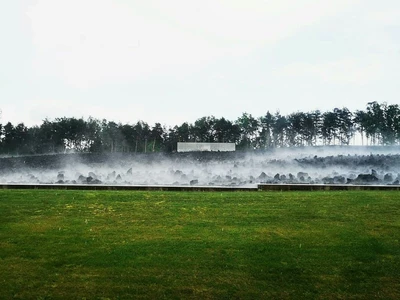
(314, 165)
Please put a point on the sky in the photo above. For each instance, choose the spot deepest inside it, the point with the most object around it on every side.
(176, 61)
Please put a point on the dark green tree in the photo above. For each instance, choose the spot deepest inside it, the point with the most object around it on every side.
(111, 136)
(73, 131)
(329, 128)
(279, 129)
(93, 135)
(9, 143)
(203, 129)
(361, 122)
(390, 126)
(345, 126)
(295, 129)
(21, 139)
(183, 132)
(249, 129)
(266, 123)
(157, 137)
(375, 117)
(129, 138)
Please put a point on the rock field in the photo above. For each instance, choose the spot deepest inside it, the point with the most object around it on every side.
(313, 165)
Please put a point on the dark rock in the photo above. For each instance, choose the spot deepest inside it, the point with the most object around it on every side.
(339, 179)
(111, 176)
(129, 172)
(328, 180)
(277, 177)
(178, 173)
(388, 177)
(194, 182)
(283, 178)
(91, 174)
(302, 174)
(366, 178)
(118, 178)
(82, 179)
(218, 179)
(33, 178)
(262, 176)
(95, 181)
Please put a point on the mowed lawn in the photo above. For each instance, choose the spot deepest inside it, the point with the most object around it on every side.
(57, 244)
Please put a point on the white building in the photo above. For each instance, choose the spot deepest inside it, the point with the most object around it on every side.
(191, 147)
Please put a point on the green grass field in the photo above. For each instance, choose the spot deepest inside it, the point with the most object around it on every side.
(199, 245)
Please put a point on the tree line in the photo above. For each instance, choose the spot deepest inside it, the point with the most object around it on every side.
(378, 124)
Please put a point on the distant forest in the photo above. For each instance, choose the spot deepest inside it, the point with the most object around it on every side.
(378, 124)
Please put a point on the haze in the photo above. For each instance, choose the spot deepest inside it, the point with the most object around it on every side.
(210, 168)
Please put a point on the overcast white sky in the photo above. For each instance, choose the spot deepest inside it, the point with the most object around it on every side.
(179, 60)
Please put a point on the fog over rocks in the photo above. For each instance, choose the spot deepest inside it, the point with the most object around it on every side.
(316, 165)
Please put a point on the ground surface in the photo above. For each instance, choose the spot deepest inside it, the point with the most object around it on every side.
(155, 245)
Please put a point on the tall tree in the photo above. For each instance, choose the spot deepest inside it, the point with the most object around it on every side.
(329, 128)
(50, 138)
(249, 128)
(9, 144)
(317, 125)
(93, 135)
(279, 129)
(111, 136)
(73, 131)
(361, 122)
(375, 117)
(1, 138)
(21, 139)
(183, 132)
(142, 135)
(390, 126)
(129, 138)
(157, 137)
(345, 126)
(295, 129)
(203, 129)
(267, 123)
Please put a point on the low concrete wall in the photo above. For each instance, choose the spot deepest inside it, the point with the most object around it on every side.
(100, 187)
(213, 147)
(260, 187)
(325, 187)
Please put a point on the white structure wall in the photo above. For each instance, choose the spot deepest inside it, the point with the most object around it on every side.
(190, 147)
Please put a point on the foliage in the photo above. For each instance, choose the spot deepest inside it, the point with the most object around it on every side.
(379, 124)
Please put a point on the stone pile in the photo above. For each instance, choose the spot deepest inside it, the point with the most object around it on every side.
(213, 170)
